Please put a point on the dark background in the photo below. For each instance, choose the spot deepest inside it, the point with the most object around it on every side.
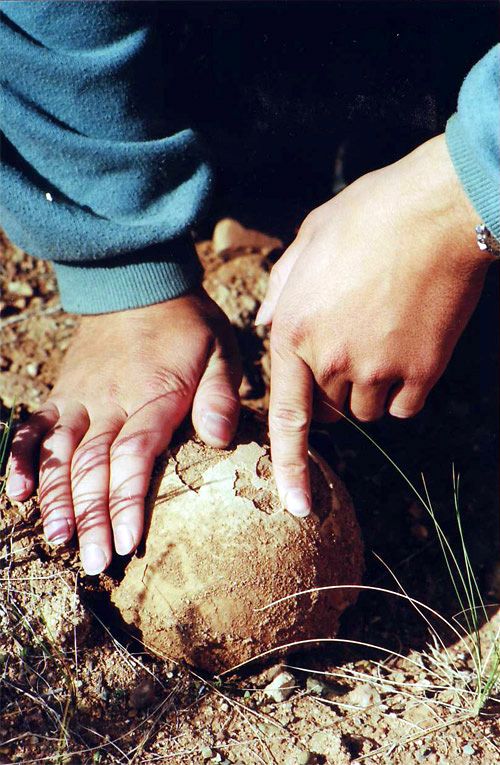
(278, 87)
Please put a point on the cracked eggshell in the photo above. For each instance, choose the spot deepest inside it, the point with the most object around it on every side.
(219, 547)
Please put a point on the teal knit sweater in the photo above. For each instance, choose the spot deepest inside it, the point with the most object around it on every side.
(100, 176)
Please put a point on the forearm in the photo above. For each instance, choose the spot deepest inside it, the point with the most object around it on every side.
(95, 174)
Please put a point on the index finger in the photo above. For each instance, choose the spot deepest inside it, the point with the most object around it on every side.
(290, 411)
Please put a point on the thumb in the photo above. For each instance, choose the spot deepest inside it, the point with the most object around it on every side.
(216, 404)
(279, 277)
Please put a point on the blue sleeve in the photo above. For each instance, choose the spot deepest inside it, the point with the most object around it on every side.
(473, 138)
(97, 173)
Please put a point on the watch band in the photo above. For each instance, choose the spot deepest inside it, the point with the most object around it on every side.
(486, 241)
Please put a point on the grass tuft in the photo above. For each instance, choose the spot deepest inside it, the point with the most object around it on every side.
(464, 582)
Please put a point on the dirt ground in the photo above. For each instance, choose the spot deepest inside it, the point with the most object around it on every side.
(76, 688)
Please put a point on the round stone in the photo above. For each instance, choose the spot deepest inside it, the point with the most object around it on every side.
(219, 549)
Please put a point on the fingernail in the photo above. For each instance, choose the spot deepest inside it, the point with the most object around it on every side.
(16, 486)
(297, 503)
(218, 426)
(93, 559)
(58, 531)
(124, 541)
(400, 413)
(263, 314)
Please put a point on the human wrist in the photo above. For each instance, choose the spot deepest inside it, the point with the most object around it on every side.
(442, 202)
(151, 276)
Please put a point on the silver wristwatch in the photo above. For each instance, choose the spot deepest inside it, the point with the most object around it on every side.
(486, 241)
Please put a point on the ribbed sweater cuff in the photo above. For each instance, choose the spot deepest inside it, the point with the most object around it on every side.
(159, 273)
(482, 191)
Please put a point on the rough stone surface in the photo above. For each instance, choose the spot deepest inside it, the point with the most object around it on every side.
(219, 547)
(282, 687)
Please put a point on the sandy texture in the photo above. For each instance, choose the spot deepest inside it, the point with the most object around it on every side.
(219, 547)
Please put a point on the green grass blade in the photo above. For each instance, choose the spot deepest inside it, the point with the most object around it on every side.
(4, 443)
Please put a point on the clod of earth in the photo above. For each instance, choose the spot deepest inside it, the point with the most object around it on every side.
(219, 547)
(239, 287)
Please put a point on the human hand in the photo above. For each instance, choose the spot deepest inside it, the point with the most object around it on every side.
(127, 382)
(368, 303)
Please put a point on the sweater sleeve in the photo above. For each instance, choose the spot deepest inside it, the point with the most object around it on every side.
(473, 138)
(98, 174)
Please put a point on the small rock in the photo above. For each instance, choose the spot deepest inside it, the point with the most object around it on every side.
(328, 746)
(468, 749)
(143, 694)
(398, 677)
(420, 715)
(364, 696)
(317, 687)
(246, 388)
(268, 729)
(282, 687)
(267, 675)
(32, 369)
(305, 758)
(20, 289)
(229, 234)
(206, 752)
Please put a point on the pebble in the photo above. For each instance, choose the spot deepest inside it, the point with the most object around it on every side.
(398, 677)
(282, 687)
(32, 369)
(229, 234)
(317, 686)
(468, 749)
(364, 696)
(21, 289)
(305, 758)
